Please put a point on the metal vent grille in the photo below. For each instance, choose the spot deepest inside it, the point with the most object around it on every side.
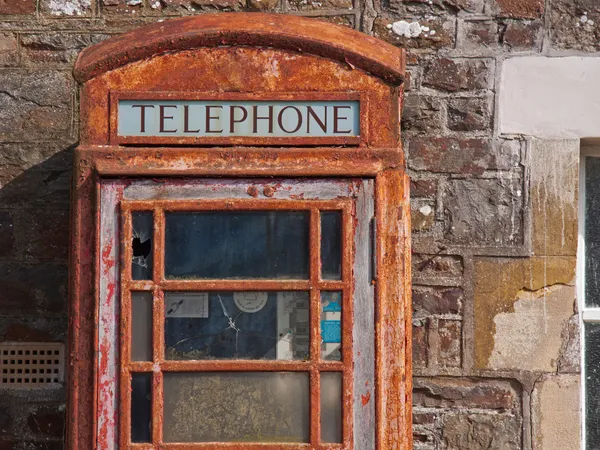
(32, 364)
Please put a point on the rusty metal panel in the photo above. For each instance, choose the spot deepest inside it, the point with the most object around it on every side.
(291, 33)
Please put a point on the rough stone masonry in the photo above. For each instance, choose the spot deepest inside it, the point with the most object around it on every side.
(494, 216)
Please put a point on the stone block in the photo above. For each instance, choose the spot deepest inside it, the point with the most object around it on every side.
(439, 7)
(466, 393)
(171, 6)
(470, 114)
(450, 343)
(484, 212)
(21, 156)
(519, 9)
(455, 75)
(319, 5)
(66, 7)
(556, 416)
(35, 105)
(522, 309)
(470, 431)
(478, 36)
(42, 235)
(574, 25)
(468, 156)
(436, 301)
(47, 421)
(9, 51)
(263, 5)
(122, 7)
(570, 354)
(7, 234)
(33, 288)
(422, 216)
(554, 193)
(420, 344)
(520, 35)
(431, 33)
(423, 188)
(437, 266)
(9, 7)
(55, 48)
(422, 113)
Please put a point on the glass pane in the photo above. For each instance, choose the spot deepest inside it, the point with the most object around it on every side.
(141, 244)
(592, 385)
(245, 244)
(331, 245)
(592, 232)
(237, 325)
(141, 407)
(236, 407)
(141, 326)
(331, 407)
(331, 326)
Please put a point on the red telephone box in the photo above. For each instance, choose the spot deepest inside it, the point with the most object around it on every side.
(241, 256)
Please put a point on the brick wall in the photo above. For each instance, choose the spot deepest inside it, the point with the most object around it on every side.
(480, 268)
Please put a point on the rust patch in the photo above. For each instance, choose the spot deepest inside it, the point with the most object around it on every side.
(365, 398)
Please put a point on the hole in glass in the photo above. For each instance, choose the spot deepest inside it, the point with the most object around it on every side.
(141, 407)
(331, 407)
(331, 326)
(236, 407)
(237, 244)
(331, 245)
(141, 245)
(237, 325)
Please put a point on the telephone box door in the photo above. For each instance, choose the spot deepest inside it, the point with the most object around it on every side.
(236, 314)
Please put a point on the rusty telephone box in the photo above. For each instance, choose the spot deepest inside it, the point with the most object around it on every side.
(241, 253)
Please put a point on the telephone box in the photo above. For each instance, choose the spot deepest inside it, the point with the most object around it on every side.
(241, 257)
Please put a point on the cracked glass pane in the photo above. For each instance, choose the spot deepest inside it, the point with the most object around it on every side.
(142, 234)
(141, 326)
(141, 407)
(331, 245)
(331, 326)
(331, 407)
(592, 385)
(236, 407)
(237, 325)
(237, 244)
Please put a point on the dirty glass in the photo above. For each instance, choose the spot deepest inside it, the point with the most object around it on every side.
(592, 232)
(141, 407)
(141, 326)
(236, 407)
(331, 245)
(237, 325)
(331, 407)
(237, 244)
(592, 385)
(331, 326)
(141, 245)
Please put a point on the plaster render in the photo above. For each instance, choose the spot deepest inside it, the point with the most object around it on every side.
(543, 96)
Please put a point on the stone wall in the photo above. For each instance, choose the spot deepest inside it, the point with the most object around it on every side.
(496, 340)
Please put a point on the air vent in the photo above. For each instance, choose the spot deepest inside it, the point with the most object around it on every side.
(32, 364)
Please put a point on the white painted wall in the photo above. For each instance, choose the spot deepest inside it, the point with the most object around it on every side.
(550, 97)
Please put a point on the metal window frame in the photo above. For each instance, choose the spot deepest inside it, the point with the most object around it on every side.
(314, 366)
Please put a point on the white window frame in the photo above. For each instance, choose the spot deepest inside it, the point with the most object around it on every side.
(586, 314)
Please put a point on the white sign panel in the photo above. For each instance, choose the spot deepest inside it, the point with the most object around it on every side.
(214, 118)
(186, 304)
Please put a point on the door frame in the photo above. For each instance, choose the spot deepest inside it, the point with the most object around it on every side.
(391, 393)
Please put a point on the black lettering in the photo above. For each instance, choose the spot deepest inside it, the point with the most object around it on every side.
(232, 119)
(311, 113)
(280, 119)
(256, 118)
(209, 118)
(163, 118)
(142, 116)
(337, 118)
(186, 120)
